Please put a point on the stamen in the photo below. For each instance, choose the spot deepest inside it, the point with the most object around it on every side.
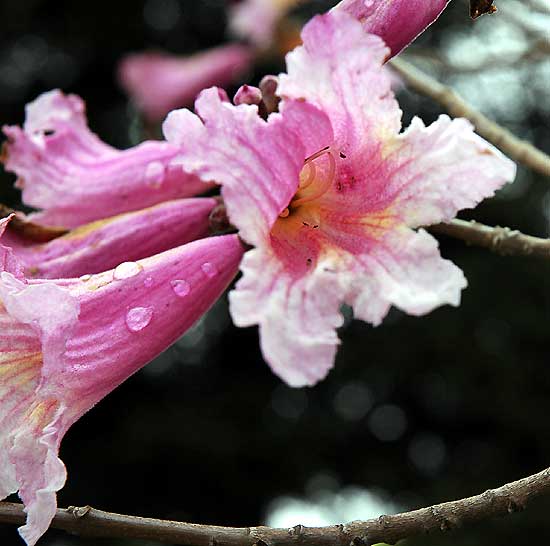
(284, 213)
(327, 180)
(311, 176)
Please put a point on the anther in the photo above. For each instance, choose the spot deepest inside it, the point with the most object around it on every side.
(327, 180)
(284, 213)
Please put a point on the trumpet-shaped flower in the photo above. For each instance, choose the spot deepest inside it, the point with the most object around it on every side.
(102, 245)
(158, 82)
(331, 193)
(255, 20)
(397, 22)
(65, 169)
(65, 344)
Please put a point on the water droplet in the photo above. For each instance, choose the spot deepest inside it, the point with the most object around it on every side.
(138, 318)
(148, 282)
(209, 269)
(181, 288)
(85, 278)
(126, 270)
(154, 174)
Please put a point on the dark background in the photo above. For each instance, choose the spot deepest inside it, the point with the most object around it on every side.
(419, 410)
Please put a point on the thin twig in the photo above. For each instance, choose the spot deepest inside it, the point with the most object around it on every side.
(520, 150)
(507, 499)
(502, 240)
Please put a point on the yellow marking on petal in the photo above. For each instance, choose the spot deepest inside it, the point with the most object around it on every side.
(41, 413)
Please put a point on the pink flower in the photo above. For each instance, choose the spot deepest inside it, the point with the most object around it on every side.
(255, 20)
(65, 344)
(331, 194)
(64, 168)
(158, 82)
(397, 22)
(102, 245)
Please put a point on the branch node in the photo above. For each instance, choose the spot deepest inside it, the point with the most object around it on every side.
(446, 523)
(79, 511)
(384, 521)
(515, 506)
(297, 530)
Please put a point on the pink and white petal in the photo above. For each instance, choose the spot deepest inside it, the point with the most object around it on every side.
(131, 314)
(66, 170)
(255, 20)
(104, 244)
(257, 162)
(397, 22)
(41, 472)
(159, 82)
(8, 261)
(20, 362)
(406, 270)
(65, 344)
(339, 69)
(443, 168)
(297, 316)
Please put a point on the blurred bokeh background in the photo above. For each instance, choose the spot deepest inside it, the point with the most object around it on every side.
(416, 411)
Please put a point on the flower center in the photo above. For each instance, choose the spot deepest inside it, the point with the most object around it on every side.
(316, 178)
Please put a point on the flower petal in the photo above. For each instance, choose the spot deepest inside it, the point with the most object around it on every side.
(255, 20)
(256, 162)
(339, 69)
(159, 82)
(404, 269)
(8, 262)
(397, 22)
(65, 169)
(65, 344)
(443, 168)
(297, 315)
(104, 244)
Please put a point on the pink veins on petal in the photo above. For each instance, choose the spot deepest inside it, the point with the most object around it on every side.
(331, 193)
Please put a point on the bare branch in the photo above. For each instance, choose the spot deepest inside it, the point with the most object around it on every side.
(507, 499)
(501, 240)
(520, 150)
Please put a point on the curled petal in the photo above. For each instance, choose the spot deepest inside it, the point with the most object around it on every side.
(65, 344)
(257, 162)
(404, 269)
(66, 170)
(397, 22)
(444, 168)
(104, 244)
(297, 316)
(159, 82)
(339, 69)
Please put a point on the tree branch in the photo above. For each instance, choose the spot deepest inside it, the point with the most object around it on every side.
(507, 499)
(520, 150)
(501, 240)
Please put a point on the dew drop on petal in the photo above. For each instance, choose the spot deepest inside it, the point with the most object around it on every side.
(154, 174)
(148, 282)
(138, 318)
(126, 270)
(85, 278)
(181, 288)
(209, 269)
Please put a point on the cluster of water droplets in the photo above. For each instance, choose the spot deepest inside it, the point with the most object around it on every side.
(138, 318)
